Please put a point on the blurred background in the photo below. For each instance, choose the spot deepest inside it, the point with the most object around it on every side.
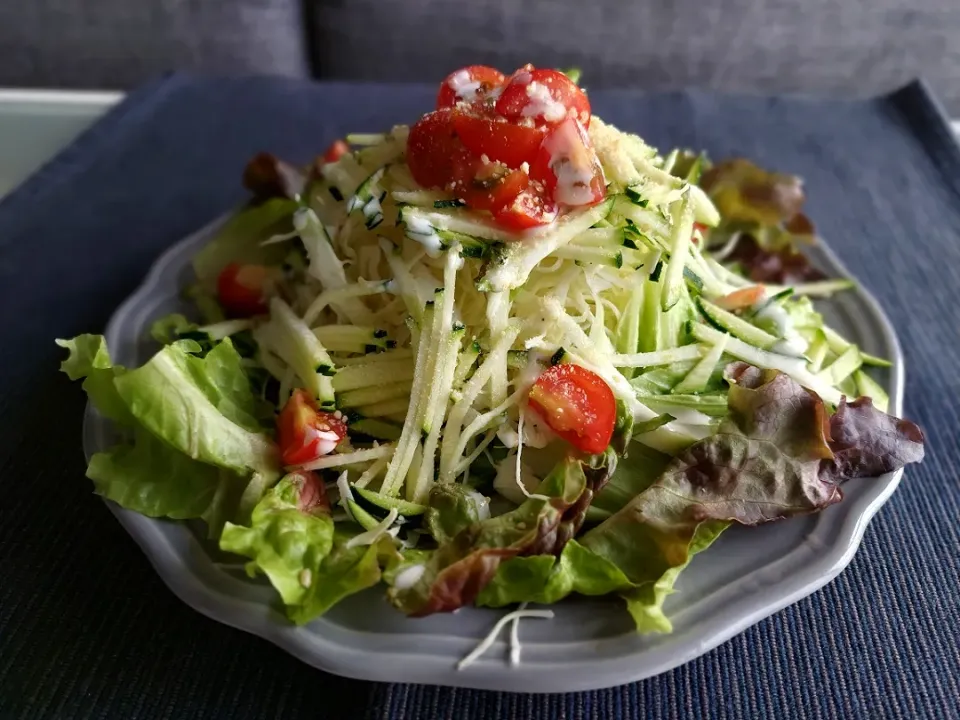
(846, 48)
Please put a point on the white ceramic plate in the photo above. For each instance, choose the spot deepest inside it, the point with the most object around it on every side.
(746, 576)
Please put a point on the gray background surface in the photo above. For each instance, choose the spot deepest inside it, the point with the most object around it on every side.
(840, 48)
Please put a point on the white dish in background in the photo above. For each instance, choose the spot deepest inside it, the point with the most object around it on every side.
(749, 573)
(37, 124)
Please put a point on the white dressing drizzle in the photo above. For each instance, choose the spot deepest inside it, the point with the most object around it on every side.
(573, 162)
(542, 104)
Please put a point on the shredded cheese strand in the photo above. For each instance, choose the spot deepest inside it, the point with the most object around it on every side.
(351, 458)
(496, 630)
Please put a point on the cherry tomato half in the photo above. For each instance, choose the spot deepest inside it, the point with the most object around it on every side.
(529, 209)
(468, 84)
(337, 149)
(546, 96)
(500, 140)
(568, 166)
(490, 186)
(312, 497)
(577, 405)
(433, 148)
(305, 433)
(243, 289)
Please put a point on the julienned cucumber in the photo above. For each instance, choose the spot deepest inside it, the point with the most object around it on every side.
(368, 199)
(431, 229)
(736, 326)
(363, 518)
(407, 509)
(794, 367)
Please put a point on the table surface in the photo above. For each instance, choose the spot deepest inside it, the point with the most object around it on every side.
(36, 124)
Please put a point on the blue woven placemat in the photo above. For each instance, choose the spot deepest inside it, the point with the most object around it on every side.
(87, 629)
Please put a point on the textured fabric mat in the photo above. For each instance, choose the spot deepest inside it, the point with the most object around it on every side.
(88, 630)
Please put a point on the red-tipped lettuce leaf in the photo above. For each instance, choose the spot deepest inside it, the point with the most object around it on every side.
(784, 265)
(267, 176)
(867, 442)
(461, 567)
(745, 193)
(777, 454)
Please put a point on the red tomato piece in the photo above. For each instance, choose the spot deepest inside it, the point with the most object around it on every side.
(498, 139)
(508, 195)
(337, 149)
(312, 498)
(243, 289)
(435, 154)
(577, 405)
(545, 96)
(568, 166)
(492, 186)
(468, 84)
(529, 209)
(305, 433)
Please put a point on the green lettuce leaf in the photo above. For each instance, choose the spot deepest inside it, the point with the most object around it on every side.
(203, 407)
(292, 540)
(745, 193)
(89, 359)
(452, 508)
(645, 601)
(547, 579)
(282, 540)
(636, 471)
(167, 329)
(240, 238)
(344, 572)
(153, 479)
(192, 446)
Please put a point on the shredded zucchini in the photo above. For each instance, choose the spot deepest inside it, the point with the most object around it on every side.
(426, 322)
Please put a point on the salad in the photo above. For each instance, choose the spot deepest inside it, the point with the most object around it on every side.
(505, 355)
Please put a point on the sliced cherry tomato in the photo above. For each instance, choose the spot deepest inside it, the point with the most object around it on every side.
(243, 289)
(531, 208)
(491, 187)
(337, 149)
(508, 195)
(312, 498)
(545, 96)
(500, 140)
(468, 84)
(577, 405)
(305, 433)
(703, 232)
(568, 166)
(433, 149)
